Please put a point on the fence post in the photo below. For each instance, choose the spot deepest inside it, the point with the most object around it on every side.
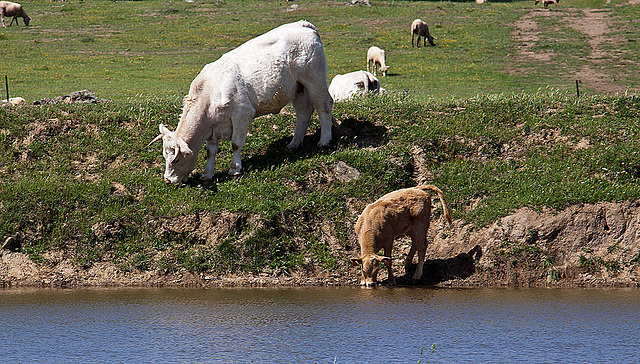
(6, 86)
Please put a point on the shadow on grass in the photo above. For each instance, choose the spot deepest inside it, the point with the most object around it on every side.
(349, 132)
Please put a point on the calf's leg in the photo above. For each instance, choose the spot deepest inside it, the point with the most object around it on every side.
(419, 243)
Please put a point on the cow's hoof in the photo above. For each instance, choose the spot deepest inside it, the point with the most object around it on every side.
(292, 148)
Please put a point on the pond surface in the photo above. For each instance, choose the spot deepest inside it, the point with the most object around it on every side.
(320, 325)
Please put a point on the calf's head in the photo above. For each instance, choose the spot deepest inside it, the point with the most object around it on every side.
(370, 267)
(180, 159)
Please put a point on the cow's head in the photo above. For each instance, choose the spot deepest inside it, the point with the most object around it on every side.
(370, 267)
(26, 21)
(180, 159)
(384, 70)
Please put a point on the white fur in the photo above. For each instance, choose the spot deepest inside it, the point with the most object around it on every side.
(261, 76)
(377, 56)
(344, 87)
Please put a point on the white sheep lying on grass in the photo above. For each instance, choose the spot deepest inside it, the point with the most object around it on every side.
(14, 101)
(15, 10)
(377, 56)
(344, 87)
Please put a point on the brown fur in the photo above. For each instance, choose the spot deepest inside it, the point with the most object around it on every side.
(14, 10)
(402, 212)
(420, 28)
(546, 2)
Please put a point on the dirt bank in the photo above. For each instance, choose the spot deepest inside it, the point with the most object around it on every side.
(583, 245)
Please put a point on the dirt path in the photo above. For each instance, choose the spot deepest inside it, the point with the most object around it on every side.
(595, 24)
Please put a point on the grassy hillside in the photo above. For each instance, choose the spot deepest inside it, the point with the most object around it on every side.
(80, 178)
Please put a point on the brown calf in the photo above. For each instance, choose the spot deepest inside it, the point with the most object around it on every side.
(403, 212)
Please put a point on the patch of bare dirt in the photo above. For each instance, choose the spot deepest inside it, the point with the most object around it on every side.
(583, 245)
(595, 24)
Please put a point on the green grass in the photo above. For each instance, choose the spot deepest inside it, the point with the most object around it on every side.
(153, 48)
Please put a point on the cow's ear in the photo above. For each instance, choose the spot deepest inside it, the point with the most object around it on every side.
(360, 85)
(356, 261)
(164, 130)
(176, 154)
(184, 147)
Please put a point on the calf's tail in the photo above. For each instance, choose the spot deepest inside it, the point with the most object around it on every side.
(445, 207)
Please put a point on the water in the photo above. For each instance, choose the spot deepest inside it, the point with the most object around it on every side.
(320, 325)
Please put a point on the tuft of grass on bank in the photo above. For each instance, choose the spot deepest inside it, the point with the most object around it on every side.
(80, 178)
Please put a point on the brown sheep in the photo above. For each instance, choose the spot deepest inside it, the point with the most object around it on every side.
(422, 30)
(15, 10)
(402, 212)
(546, 2)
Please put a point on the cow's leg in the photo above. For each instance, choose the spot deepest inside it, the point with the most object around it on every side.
(212, 150)
(304, 108)
(2, 20)
(323, 103)
(238, 138)
(412, 35)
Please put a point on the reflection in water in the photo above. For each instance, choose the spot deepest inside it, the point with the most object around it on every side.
(319, 325)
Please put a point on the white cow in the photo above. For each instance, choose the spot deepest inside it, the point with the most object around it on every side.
(344, 87)
(260, 77)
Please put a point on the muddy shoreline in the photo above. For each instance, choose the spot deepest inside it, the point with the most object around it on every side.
(587, 245)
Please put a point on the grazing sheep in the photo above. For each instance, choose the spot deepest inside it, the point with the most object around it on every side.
(546, 2)
(422, 30)
(15, 10)
(402, 212)
(377, 56)
(344, 87)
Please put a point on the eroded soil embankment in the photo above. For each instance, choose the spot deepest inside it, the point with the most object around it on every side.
(583, 245)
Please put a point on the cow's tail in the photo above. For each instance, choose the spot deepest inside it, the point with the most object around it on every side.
(445, 207)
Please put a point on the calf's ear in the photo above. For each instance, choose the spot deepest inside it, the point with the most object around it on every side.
(356, 261)
(385, 260)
